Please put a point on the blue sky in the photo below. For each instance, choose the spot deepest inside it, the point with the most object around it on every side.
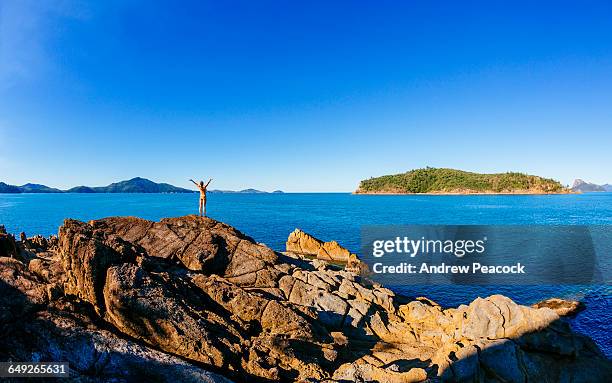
(302, 96)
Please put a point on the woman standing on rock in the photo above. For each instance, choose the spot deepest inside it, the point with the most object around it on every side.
(202, 188)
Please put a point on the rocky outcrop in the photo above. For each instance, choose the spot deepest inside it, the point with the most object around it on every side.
(35, 326)
(193, 299)
(8, 246)
(303, 244)
(195, 243)
(562, 307)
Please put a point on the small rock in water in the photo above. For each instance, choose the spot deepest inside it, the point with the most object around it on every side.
(304, 244)
(563, 307)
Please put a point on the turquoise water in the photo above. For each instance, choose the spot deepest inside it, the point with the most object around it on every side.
(269, 218)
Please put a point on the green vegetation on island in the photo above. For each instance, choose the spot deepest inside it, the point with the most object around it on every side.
(452, 181)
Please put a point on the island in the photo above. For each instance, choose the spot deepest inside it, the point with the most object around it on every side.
(451, 181)
(581, 186)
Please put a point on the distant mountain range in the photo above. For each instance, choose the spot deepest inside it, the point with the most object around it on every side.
(586, 187)
(37, 188)
(245, 191)
(4, 188)
(135, 185)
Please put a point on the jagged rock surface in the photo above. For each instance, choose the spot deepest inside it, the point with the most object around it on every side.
(120, 298)
(302, 244)
(8, 246)
(562, 307)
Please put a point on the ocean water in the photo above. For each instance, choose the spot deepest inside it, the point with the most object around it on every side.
(269, 218)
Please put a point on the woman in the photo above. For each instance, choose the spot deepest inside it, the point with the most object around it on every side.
(202, 188)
